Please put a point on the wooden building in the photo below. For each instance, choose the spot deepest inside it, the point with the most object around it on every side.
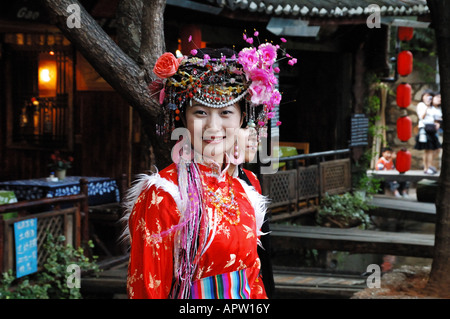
(77, 112)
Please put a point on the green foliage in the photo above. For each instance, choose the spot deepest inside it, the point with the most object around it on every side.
(51, 281)
(369, 184)
(23, 289)
(344, 210)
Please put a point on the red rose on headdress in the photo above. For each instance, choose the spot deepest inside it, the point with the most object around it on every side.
(166, 66)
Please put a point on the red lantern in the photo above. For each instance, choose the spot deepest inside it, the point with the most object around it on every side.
(404, 128)
(403, 162)
(403, 95)
(404, 63)
(405, 33)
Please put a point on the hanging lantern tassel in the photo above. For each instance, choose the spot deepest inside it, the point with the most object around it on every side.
(404, 63)
(403, 162)
(405, 33)
(403, 95)
(404, 128)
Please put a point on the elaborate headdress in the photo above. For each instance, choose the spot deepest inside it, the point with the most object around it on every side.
(219, 78)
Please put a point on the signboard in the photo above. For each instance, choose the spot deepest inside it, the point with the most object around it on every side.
(25, 235)
(359, 130)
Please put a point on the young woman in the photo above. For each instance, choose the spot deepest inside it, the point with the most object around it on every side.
(194, 227)
(427, 139)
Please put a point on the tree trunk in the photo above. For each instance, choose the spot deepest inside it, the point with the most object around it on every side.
(130, 78)
(439, 282)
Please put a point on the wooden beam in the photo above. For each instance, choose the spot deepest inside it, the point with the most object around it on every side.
(403, 209)
(358, 240)
(393, 175)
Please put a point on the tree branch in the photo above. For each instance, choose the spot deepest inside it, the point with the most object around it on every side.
(128, 77)
(152, 35)
(116, 67)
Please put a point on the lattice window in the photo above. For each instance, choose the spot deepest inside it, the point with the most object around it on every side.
(53, 225)
(308, 182)
(335, 176)
(280, 187)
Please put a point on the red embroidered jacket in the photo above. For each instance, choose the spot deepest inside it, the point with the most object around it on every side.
(234, 248)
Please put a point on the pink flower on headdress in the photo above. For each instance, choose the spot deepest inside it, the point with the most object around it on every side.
(278, 123)
(292, 61)
(206, 58)
(268, 53)
(260, 75)
(272, 79)
(259, 92)
(166, 66)
(275, 99)
(248, 58)
(194, 52)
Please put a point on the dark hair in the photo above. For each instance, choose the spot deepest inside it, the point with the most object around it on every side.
(386, 149)
(427, 91)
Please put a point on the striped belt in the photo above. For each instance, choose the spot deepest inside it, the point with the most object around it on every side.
(232, 285)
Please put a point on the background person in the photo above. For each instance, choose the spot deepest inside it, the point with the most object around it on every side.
(427, 139)
(385, 163)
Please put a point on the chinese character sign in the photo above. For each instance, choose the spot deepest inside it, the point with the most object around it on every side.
(25, 235)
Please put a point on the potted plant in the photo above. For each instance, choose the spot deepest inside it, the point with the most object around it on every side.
(368, 186)
(343, 211)
(59, 165)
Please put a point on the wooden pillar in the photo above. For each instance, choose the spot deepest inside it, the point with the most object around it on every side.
(2, 243)
(359, 93)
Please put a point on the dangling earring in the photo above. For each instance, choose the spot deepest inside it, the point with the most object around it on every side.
(237, 158)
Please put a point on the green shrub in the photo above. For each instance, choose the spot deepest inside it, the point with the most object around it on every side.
(51, 281)
(344, 210)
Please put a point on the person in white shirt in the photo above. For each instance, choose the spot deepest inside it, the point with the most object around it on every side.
(427, 139)
(438, 120)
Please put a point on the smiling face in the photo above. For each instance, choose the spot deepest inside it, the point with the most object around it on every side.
(437, 100)
(387, 155)
(213, 131)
